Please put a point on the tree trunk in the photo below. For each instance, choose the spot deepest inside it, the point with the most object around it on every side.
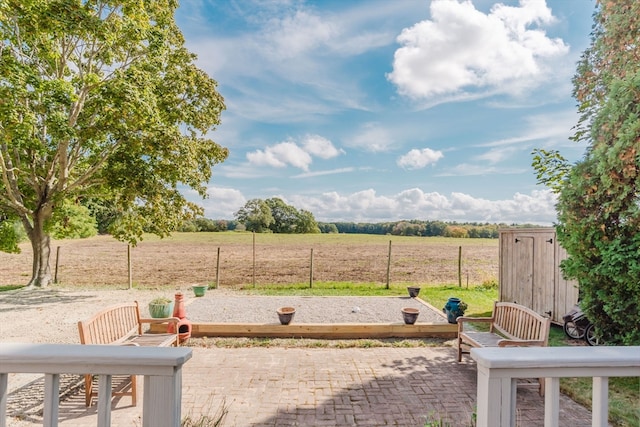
(41, 245)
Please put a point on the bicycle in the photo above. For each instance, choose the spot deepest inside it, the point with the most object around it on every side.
(577, 326)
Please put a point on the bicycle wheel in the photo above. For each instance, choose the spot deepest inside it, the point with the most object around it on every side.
(590, 335)
(572, 330)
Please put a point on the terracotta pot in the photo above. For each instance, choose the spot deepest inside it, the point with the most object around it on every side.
(410, 315)
(285, 314)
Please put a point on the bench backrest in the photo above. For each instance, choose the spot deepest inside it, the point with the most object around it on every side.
(520, 322)
(112, 325)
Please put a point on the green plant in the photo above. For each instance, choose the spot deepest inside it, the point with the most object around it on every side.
(160, 301)
(71, 220)
(456, 307)
(202, 421)
(436, 420)
(598, 196)
(462, 307)
(160, 307)
(11, 234)
(489, 285)
(10, 287)
(437, 423)
(207, 420)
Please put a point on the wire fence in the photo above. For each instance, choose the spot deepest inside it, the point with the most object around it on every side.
(174, 262)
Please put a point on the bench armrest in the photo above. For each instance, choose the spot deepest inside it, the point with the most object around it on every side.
(520, 343)
(462, 320)
(160, 320)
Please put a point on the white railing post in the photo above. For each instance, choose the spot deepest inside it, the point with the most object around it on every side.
(51, 400)
(600, 401)
(104, 400)
(490, 391)
(162, 400)
(4, 388)
(499, 369)
(160, 366)
(552, 401)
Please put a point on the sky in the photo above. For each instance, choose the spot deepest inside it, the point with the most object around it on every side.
(388, 110)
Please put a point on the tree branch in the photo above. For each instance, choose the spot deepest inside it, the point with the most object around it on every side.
(13, 195)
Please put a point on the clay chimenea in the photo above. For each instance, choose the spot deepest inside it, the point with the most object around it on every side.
(184, 325)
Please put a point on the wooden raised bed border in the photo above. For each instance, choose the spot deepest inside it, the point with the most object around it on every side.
(324, 330)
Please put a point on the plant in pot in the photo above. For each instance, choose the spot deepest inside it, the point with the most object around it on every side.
(161, 307)
(199, 290)
(454, 308)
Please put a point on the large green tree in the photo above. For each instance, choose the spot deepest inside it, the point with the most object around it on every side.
(599, 197)
(255, 215)
(306, 223)
(284, 216)
(276, 216)
(100, 99)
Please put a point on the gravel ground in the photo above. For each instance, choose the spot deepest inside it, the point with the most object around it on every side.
(262, 309)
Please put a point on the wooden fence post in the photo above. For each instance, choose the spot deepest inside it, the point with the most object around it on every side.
(389, 266)
(129, 266)
(254, 259)
(55, 276)
(218, 269)
(311, 270)
(459, 266)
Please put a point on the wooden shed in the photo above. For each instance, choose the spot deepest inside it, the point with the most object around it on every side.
(530, 271)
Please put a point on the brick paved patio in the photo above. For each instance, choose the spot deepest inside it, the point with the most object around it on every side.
(327, 387)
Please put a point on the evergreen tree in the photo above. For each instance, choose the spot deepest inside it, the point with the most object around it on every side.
(599, 205)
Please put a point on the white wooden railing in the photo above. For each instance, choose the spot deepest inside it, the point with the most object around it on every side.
(161, 367)
(498, 369)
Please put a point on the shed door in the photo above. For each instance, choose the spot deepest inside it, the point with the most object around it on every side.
(523, 262)
(544, 281)
(530, 274)
(534, 264)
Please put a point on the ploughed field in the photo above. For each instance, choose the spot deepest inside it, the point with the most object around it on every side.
(237, 258)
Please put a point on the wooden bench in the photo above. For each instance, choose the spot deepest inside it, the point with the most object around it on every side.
(122, 325)
(510, 325)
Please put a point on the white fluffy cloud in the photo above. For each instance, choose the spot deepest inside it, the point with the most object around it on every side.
(462, 49)
(538, 207)
(281, 155)
(320, 147)
(418, 159)
(367, 206)
(222, 202)
(295, 154)
(295, 34)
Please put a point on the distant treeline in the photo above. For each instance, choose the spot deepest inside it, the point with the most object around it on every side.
(395, 228)
(416, 228)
